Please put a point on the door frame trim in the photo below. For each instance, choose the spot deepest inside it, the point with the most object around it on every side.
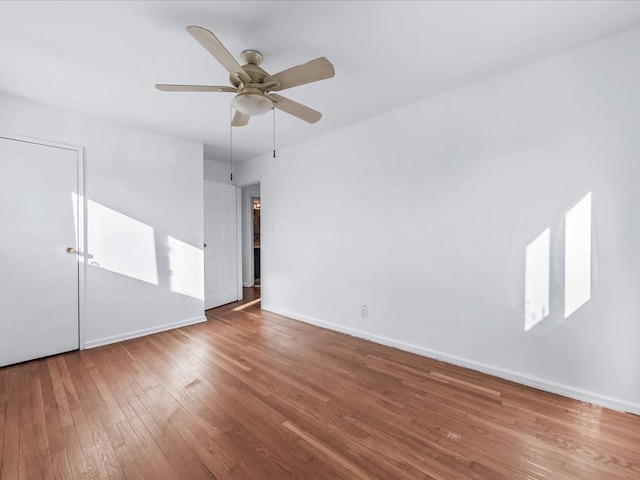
(81, 237)
(239, 245)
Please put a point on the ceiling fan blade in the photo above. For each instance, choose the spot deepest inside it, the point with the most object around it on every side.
(209, 41)
(240, 119)
(318, 69)
(193, 88)
(294, 108)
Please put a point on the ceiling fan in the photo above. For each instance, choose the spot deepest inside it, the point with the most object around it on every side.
(253, 85)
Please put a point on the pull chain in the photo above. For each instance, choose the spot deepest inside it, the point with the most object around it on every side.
(274, 132)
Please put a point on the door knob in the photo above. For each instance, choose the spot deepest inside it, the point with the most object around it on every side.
(71, 250)
(205, 245)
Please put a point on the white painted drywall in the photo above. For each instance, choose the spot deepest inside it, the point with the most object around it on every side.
(219, 172)
(424, 214)
(151, 182)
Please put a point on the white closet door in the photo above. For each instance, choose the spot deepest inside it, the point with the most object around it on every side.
(38, 277)
(221, 253)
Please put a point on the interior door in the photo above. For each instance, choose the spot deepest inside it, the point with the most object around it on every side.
(221, 252)
(38, 277)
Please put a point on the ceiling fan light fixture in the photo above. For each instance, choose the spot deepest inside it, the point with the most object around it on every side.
(252, 103)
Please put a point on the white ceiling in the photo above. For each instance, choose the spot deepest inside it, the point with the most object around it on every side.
(103, 58)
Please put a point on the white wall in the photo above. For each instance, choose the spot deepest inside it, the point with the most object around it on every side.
(219, 172)
(424, 214)
(151, 178)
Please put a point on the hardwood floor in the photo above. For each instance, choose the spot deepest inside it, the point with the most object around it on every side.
(253, 395)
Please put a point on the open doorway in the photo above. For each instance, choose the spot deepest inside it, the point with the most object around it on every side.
(251, 238)
(255, 202)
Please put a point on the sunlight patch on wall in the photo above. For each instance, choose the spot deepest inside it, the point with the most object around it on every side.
(119, 243)
(577, 266)
(536, 285)
(577, 256)
(186, 263)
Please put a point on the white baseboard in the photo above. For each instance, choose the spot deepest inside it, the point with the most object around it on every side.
(141, 333)
(521, 378)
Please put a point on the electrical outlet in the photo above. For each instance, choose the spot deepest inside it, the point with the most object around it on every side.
(364, 311)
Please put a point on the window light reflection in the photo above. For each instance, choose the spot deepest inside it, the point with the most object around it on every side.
(186, 263)
(119, 243)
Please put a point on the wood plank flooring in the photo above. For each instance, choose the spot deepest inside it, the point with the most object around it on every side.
(253, 395)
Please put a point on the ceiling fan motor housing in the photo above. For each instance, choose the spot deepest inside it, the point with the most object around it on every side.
(257, 74)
